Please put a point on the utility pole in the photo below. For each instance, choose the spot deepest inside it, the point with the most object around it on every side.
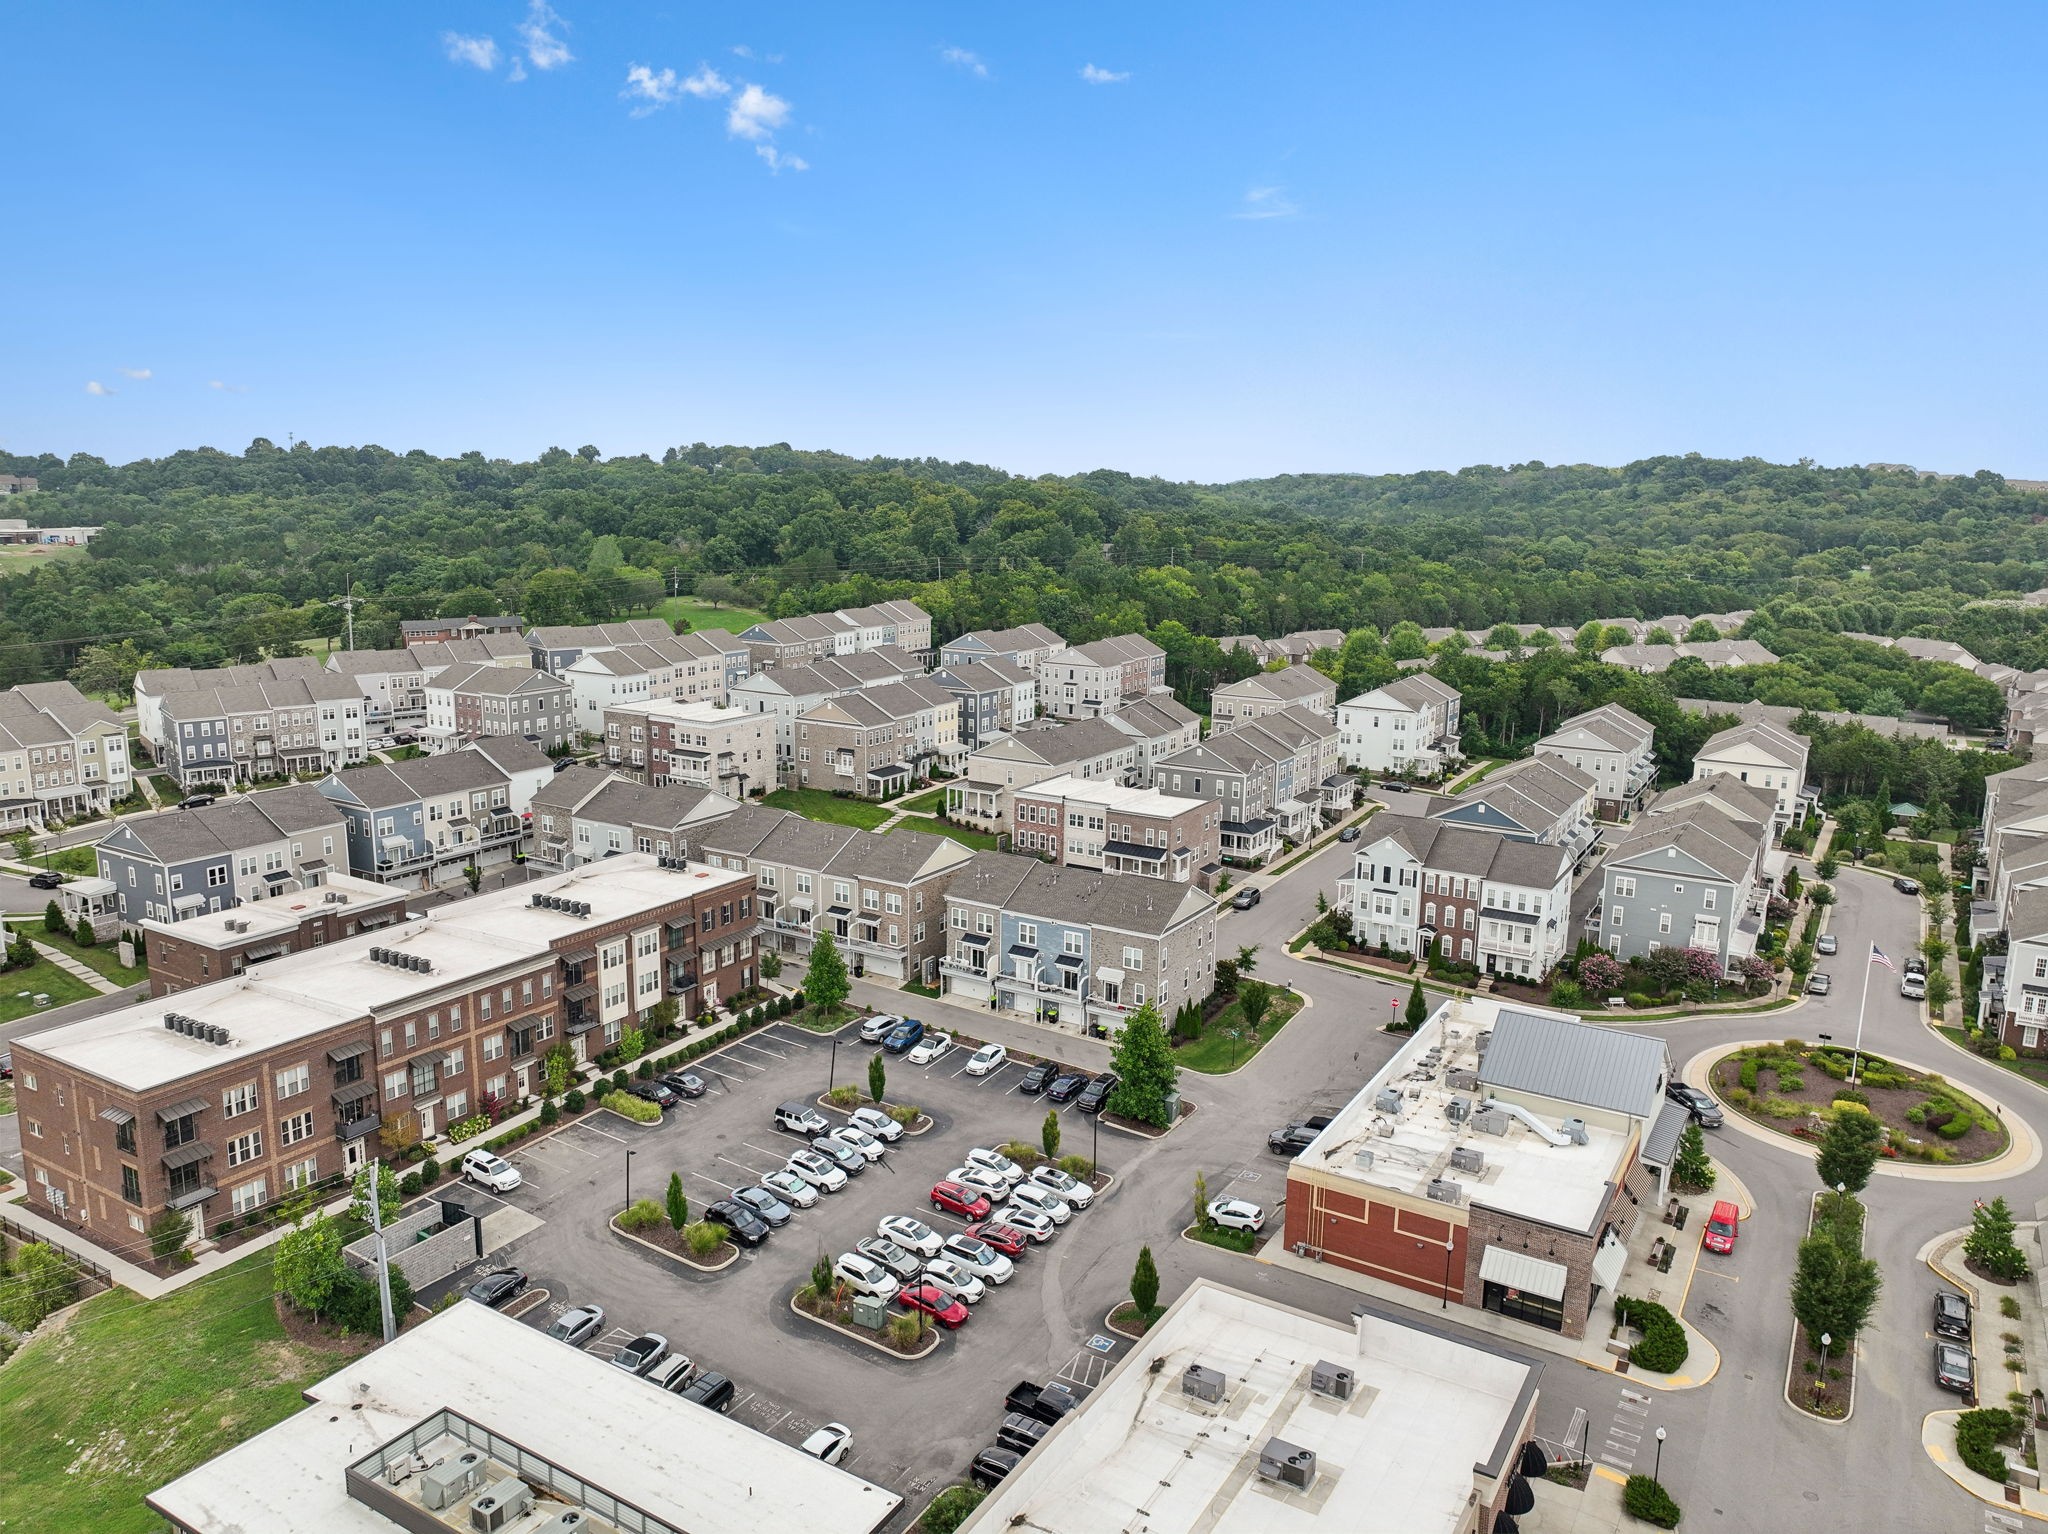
(383, 1257)
(347, 604)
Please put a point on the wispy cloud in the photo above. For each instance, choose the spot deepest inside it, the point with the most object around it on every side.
(778, 162)
(1267, 202)
(1096, 76)
(960, 58)
(756, 114)
(476, 52)
(226, 388)
(97, 389)
(545, 49)
(741, 50)
(140, 375)
(656, 88)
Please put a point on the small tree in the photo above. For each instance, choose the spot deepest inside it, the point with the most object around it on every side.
(307, 1267)
(1201, 1199)
(632, 1044)
(1828, 866)
(1417, 1011)
(53, 918)
(1049, 1134)
(1990, 1242)
(1247, 958)
(826, 983)
(83, 934)
(821, 1278)
(387, 1194)
(168, 1234)
(1254, 1002)
(1834, 1291)
(771, 965)
(678, 1205)
(1145, 1284)
(1692, 1170)
(42, 1282)
(1146, 1075)
(555, 1067)
(1849, 1149)
(474, 876)
(878, 1077)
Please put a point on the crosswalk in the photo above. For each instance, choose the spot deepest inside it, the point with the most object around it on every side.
(1626, 1430)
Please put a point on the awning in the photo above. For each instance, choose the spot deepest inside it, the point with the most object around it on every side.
(390, 843)
(1109, 975)
(1070, 961)
(1518, 1270)
(354, 1092)
(117, 1115)
(581, 992)
(277, 876)
(974, 939)
(588, 956)
(267, 951)
(317, 866)
(1133, 850)
(179, 1110)
(893, 770)
(189, 903)
(342, 1052)
(191, 1200)
(1608, 1263)
(1019, 951)
(187, 1154)
(839, 910)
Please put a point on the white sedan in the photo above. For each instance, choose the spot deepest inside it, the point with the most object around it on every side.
(877, 1123)
(1237, 1214)
(930, 1048)
(990, 1057)
(790, 1188)
(911, 1234)
(870, 1148)
(829, 1443)
(982, 1180)
(995, 1161)
(955, 1280)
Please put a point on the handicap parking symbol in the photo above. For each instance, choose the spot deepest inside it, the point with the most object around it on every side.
(1102, 1344)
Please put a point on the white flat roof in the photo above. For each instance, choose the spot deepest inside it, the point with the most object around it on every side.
(276, 915)
(1524, 1173)
(698, 712)
(1399, 1457)
(681, 1462)
(1115, 796)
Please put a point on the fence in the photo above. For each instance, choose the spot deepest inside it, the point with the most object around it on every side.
(93, 1270)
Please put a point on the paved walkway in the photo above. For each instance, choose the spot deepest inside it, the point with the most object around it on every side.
(1560, 1510)
(77, 968)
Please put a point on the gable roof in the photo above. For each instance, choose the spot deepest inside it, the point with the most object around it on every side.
(1574, 1062)
(1610, 724)
(1781, 746)
(1294, 684)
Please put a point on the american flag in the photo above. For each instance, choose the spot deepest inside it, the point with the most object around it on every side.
(1877, 956)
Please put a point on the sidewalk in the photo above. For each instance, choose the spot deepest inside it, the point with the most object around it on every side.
(78, 969)
(1596, 1510)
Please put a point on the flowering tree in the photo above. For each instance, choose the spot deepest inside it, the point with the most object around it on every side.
(1601, 973)
(1702, 965)
(1755, 973)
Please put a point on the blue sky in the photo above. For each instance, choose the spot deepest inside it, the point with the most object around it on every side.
(1258, 240)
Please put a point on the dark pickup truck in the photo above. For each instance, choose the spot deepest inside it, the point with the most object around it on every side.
(1296, 1137)
(1047, 1403)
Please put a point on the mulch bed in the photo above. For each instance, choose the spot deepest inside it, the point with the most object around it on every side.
(1834, 1402)
(673, 1243)
(1984, 1275)
(839, 1318)
(1818, 1089)
(1148, 1131)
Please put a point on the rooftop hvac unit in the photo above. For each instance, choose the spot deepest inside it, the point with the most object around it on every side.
(1444, 1191)
(1482, 1041)
(1204, 1384)
(583, 908)
(507, 1502)
(376, 955)
(1576, 1130)
(1388, 1101)
(1458, 1109)
(1333, 1380)
(1288, 1463)
(570, 1520)
(1491, 1122)
(450, 1481)
(170, 1022)
(215, 1034)
(1462, 1080)
(1362, 1158)
(1467, 1158)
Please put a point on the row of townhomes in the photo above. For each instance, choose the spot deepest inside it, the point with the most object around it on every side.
(1115, 748)
(1615, 749)
(1090, 680)
(1276, 778)
(584, 814)
(1301, 687)
(1407, 728)
(791, 641)
(239, 724)
(1423, 883)
(248, 1087)
(696, 744)
(2010, 896)
(62, 754)
(1695, 870)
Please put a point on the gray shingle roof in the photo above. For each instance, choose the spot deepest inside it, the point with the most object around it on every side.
(1574, 1062)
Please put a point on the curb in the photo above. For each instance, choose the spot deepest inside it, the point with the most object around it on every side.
(1306, 1002)
(1956, 1472)
(662, 1251)
(921, 1125)
(1792, 1349)
(1111, 1326)
(937, 1333)
(1152, 1134)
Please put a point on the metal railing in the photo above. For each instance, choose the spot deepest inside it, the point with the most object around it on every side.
(77, 1259)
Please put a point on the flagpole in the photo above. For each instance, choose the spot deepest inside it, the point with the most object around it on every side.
(1856, 1058)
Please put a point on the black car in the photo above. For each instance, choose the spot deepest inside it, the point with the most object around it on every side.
(1954, 1369)
(1038, 1078)
(747, 1227)
(45, 880)
(654, 1092)
(1048, 1402)
(1951, 1316)
(1704, 1110)
(1349, 834)
(1096, 1093)
(1906, 886)
(494, 1289)
(1065, 1086)
(1020, 1432)
(1391, 787)
(711, 1389)
(683, 1083)
(1298, 1136)
(992, 1464)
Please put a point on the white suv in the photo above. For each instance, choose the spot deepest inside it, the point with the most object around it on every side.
(491, 1171)
(865, 1277)
(1036, 1196)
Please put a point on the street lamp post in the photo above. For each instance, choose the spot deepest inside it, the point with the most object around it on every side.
(1095, 1143)
(629, 1179)
(1447, 1274)
(1657, 1470)
(832, 1070)
(1821, 1386)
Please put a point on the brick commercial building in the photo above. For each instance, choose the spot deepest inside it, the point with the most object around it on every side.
(215, 946)
(418, 631)
(699, 745)
(1501, 1159)
(1082, 823)
(245, 1089)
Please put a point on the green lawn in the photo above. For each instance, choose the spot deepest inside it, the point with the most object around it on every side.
(1214, 1052)
(816, 804)
(132, 1394)
(41, 976)
(104, 957)
(928, 803)
(981, 841)
(701, 615)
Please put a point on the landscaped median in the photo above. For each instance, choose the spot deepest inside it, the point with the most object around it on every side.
(825, 1301)
(1797, 1089)
(702, 1245)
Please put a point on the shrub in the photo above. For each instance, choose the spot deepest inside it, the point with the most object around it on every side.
(1647, 1499)
(704, 1237)
(1851, 1095)
(1663, 1347)
(844, 1097)
(904, 1328)
(619, 1081)
(1956, 1127)
(627, 1106)
(549, 1113)
(641, 1214)
(906, 1114)
(1025, 1155)
(1747, 1075)
(1078, 1167)
(1978, 1435)
(645, 1070)
(1567, 994)
(949, 1509)
(573, 1100)
(409, 1185)
(469, 1128)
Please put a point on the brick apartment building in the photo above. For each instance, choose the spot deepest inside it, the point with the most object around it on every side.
(219, 944)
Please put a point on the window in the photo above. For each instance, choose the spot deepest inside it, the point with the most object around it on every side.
(293, 1081)
(1071, 942)
(1624, 888)
(451, 1063)
(1027, 934)
(394, 1085)
(1708, 898)
(294, 1129)
(250, 1196)
(1614, 916)
(302, 1174)
(1134, 960)
(425, 1079)
(494, 1046)
(131, 1185)
(238, 1100)
(244, 1148)
(124, 1137)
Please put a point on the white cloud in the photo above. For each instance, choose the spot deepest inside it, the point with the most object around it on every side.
(1095, 76)
(963, 59)
(139, 374)
(756, 114)
(477, 52)
(1267, 202)
(741, 50)
(97, 389)
(655, 89)
(544, 50)
(517, 72)
(778, 162)
(226, 388)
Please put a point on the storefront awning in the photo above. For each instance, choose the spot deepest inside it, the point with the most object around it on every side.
(267, 951)
(1608, 1263)
(581, 992)
(1518, 1270)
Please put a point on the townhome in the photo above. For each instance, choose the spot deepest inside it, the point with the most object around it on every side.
(554, 647)
(586, 813)
(1693, 871)
(1538, 799)
(61, 754)
(436, 814)
(879, 740)
(155, 684)
(2013, 827)
(1301, 687)
(1784, 717)
(1716, 655)
(1087, 681)
(466, 704)
(419, 631)
(1046, 748)
(1498, 902)
(700, 745)
(793, 641)
(1765, 757)
(215, 945)
(182, 863)
(1088, 823)
(881, 897)
(243, 734)
(1158, 726)
(995, 697)
(1297, 647)
(393, 685)
(1308, 774)
(1071, 948)
(1409, 726)
(698, 667)
(437, 655)
(2012, 1002)
(1022, 647)
(791, 689)
(240, 1092)
(1614, 748)
(1273, 778)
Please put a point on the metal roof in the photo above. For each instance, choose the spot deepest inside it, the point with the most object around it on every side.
(1574, 1062)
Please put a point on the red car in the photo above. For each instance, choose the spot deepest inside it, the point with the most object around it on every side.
(958, 1198)
(1006, 1239)
(934, 1302)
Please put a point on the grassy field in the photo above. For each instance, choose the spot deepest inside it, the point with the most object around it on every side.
(928, 803)
(701, 615)
(1213, 1053)
(104, 957)
(18, 987)
(130, 1395)
(981, 841)
(816, 804)
(20, 556)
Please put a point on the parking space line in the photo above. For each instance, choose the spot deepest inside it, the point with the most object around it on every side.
(773, 1054)
(616, 1139)
(728, 1186)
(781, 1153)
(721, 1156)
(707, 1070)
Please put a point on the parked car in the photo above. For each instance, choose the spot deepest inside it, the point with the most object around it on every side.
(1819, 983)
(990, 1057)
(869, 1147)
(1704, 1110)
(711, 1389)
(642, 1353)
(492, 1171)
(1349, 834)
(195, 801)
(1035, 1223)
(656, 1092)
(495, 1289)
(1951, 1315)
(930, 1048)
(1039, 1199)
(1914, 965)
(829, 1443)
(1913, 986)
(1393, 786)
(1095, 1094)
(46, 880)
(877, 1123)
(936, 1303)
(1954, 1369)
(979, 1258)
(1298, 1136)
(980, 1178)
(746, 1227)
(1724, 1224)
(1066, 1086)
(1074, 1191)
(1237, 1214)
(911, 1233)
(817, 1171)
(1007, 1239)
(1906, 886)
(683, 1083)
(578, 1325)
(875, 1029)
(6, 1065)
(995, 1161)
(958, 1198)
(1825, 945)
(764, 1206)
(1244, 900)
(885, 1253)
(1047, 1403)
(863, 1275)
(1038, 1078)
(791, 1187)
(800, 1119)
(992, 1464)
(841, 1155)
(903, 1036)
(1020, 1432)
(672, 1374)
(955, 1280)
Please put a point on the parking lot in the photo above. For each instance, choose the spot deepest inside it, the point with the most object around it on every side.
(916, 1424)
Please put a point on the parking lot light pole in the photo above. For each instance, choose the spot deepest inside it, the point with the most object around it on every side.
(1657, 1472)
(629, 1179)
(1820, 1387)
(832, 1070)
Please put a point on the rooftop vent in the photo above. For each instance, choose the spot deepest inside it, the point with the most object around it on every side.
(538, 898)
(1204, 1384)
(570, 1520)
(1462, 1080)
(1575, 1130)
(1333, 1380)
(1287, 1463)
(1467, 1158)
(1458, 1109)
(1491, 1122)
(1362, 1158)
(1444, 1191)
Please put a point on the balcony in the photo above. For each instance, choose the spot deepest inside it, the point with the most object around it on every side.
(354, 1129)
